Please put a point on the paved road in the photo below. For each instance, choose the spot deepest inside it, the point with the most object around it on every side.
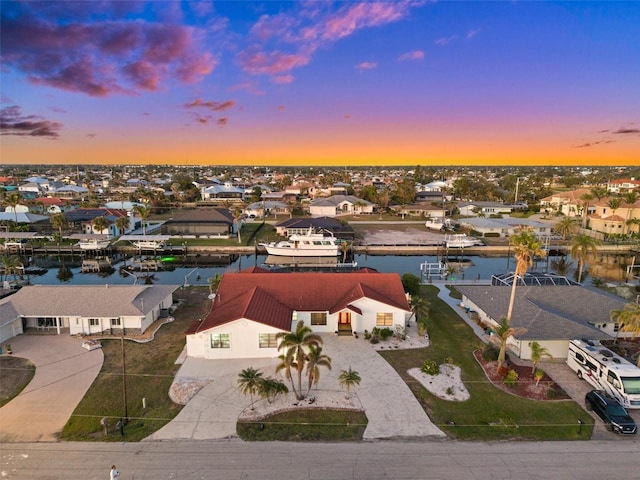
(230, 460)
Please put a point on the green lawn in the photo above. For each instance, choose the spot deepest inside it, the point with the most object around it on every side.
(319, 425)
(150, 370)
(490, 413)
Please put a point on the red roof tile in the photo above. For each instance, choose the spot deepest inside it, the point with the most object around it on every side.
(271, 298)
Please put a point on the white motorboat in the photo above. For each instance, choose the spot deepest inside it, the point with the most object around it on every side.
(461, 240)
(148, 244)
(93, 244)
(308, 245)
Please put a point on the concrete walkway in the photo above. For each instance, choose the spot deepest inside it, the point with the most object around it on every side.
(389, 404)
(64, 373)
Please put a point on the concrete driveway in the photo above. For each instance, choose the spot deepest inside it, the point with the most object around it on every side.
(64, 373)
(389, 404)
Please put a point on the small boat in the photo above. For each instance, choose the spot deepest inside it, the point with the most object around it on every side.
(148, 244)
(93, 244)
(308, 245)
(461, 240)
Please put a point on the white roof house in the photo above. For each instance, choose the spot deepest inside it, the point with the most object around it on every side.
(340, 205)
(84, 309)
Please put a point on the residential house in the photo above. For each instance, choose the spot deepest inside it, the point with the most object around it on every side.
(51, 205)
(505, 227)
(253, 306)
(71, 192)
(475, 209)
(623, 185)
(207, 222)
(266, 208)
(223, 192)
(301, 226)
(84, 309)
(81, 219)
(621, 221)
(568, 203)
(552, 315)
(340, 205)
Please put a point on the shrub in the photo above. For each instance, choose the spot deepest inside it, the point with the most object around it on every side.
(449, 361)
(386, 333)
(511, 378)
(430, 367)
(490, 353)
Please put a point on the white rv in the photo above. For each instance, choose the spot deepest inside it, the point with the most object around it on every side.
(606, 371)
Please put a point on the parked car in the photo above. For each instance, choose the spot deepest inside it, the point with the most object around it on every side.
(610, 411)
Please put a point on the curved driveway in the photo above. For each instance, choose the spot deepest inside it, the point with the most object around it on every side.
(64, 373)
(389, 404)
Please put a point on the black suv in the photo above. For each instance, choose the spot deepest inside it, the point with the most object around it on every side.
(610, 411)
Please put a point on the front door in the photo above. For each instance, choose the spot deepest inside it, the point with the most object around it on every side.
(344, 322)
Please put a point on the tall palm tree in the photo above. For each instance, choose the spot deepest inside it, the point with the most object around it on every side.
(10, 266)
(100, 224)
(348, 379)
(214, 283)
(315, 360)
(566, 226)
(632, 222)
(295, 345)
(586, 201)
(13, 200)
(249, 381)
(504, 331)
(287, 363)
(526, 247)
(59, 222)
(537, 352)
(628, 320)
(144, 213)
(420, 307)
(581, 246)
(122, 223)
(630, 199)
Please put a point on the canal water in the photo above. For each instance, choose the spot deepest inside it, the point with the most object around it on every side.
(196, 269)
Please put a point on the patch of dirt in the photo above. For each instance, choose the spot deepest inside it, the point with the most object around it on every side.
(16, 373)
(526, 386)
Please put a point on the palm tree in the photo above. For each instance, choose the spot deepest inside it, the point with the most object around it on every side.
(632, 221)
(420, 307)
(537, 352)
(581, 246)
(287, 363)
(586, 200)
(504, 331)
(270, 388)
(526, 247)
(144, 213)
(628, 320)
(100, 224)
(315, 360)
(13, 200)
(249, 381)
(122, 223)
(60, 222)
(344, 248)
(348, 379)
(10, 266)
(214, 283)
(630, 199)
(566, 226)
(294, 345)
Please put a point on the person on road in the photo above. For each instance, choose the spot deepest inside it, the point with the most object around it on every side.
(114, 474)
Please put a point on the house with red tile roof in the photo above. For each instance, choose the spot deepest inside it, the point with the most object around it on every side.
(252, 306)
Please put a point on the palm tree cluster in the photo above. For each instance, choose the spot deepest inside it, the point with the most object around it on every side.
(302, 349)
(628, 320)
(252, 382)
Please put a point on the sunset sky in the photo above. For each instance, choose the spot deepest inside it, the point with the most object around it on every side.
(320, 83)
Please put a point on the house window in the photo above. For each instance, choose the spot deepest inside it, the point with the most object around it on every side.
(384, 319)
(220, 340)
(268, 340)
(94, 322)
(115, 322)
(318, 318)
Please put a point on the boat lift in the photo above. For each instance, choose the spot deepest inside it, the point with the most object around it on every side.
(186, 277)
(429, 270)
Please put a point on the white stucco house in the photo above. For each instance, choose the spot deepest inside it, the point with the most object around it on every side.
(253, 306)
(340, 205)
(84, 309)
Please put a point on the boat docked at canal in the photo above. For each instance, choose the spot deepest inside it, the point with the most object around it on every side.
(309, 244)
(461, 240)
(93, 244)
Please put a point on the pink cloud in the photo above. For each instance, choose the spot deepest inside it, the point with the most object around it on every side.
(446, 40)
(13, 122)
(472, 33)
(215, 106)
(101, 59)
(366, 66)
(415, 55)
(256, 61)
(282, 79)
